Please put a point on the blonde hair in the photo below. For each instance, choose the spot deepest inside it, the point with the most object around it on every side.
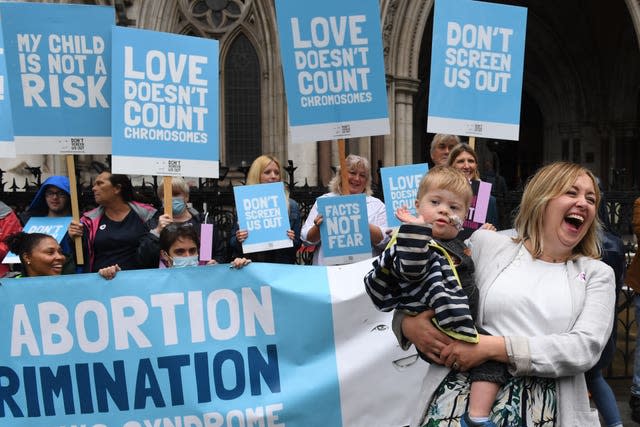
(464, 148)
(353, 163)
(442, 137)
(446, 178)
(258, 166)
(178, 185)
(548, 183)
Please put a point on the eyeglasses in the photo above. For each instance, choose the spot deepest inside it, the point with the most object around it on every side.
(55, 193)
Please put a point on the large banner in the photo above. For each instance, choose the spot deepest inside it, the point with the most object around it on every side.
(58, 65)
(266, 345)
(165, 104)
(477, 63)
(333, 69)
(7, 145)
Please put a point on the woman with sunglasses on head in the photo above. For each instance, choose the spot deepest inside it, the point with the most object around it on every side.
(182, 214)
(178, 245)
(112, 231)
(264, 170)
(40, 254)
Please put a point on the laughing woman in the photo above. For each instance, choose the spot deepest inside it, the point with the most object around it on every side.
(548, 303)
(40, 254)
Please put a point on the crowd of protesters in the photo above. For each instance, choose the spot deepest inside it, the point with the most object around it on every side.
(122, 233)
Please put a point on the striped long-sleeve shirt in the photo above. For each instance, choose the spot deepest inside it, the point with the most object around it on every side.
(415, 274)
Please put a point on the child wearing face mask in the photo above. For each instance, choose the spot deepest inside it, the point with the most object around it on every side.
(427, 267)
(178, 249)
(181, 214)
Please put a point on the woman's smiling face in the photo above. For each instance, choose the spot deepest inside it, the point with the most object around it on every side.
(567, 217)
(357, 180)
(46, 259)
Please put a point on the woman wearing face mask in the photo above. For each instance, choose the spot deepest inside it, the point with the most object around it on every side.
(40, 254)
(178, 245)
(182, 214)
(264, 170)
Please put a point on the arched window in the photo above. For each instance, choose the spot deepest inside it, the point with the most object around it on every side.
(242, 103)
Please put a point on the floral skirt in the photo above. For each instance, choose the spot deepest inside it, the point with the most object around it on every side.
(522, 401)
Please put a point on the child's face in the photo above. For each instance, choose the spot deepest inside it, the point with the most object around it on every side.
(438, 207)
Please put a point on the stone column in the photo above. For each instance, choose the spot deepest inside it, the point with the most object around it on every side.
(399, 150)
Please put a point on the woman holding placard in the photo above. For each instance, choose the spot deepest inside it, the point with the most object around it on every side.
(264, 170)
(464, 158)
(358, 182)
(113, 230)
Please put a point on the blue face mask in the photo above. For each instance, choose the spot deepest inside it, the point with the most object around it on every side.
(178, 205)
(185, 261)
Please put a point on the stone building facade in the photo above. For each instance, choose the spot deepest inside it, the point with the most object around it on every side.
(581, 94)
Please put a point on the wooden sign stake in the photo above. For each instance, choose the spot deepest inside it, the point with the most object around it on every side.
(75, 209)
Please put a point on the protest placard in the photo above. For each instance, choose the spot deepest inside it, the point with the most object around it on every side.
(400, 188)
(165, 104)
(202, 346)
(56, 227)
(263, 211)
(58, 60)
(333, 69)
(7, 145)
(344, 231)
(477, 64)
(478, 208)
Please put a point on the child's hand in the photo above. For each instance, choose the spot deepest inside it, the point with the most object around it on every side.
(403, 214)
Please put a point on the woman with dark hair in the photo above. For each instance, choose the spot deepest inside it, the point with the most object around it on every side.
(181, 214)
(40, 254)
(113, 230)
(178, 248)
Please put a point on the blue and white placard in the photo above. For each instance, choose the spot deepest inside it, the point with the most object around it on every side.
(56, 227)
(7, 145)
(333, 69)
(58, 66)
(165, 104)
(263, 211)
(203, 347)
(477, 63)
(400, 188)
(344, 231)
